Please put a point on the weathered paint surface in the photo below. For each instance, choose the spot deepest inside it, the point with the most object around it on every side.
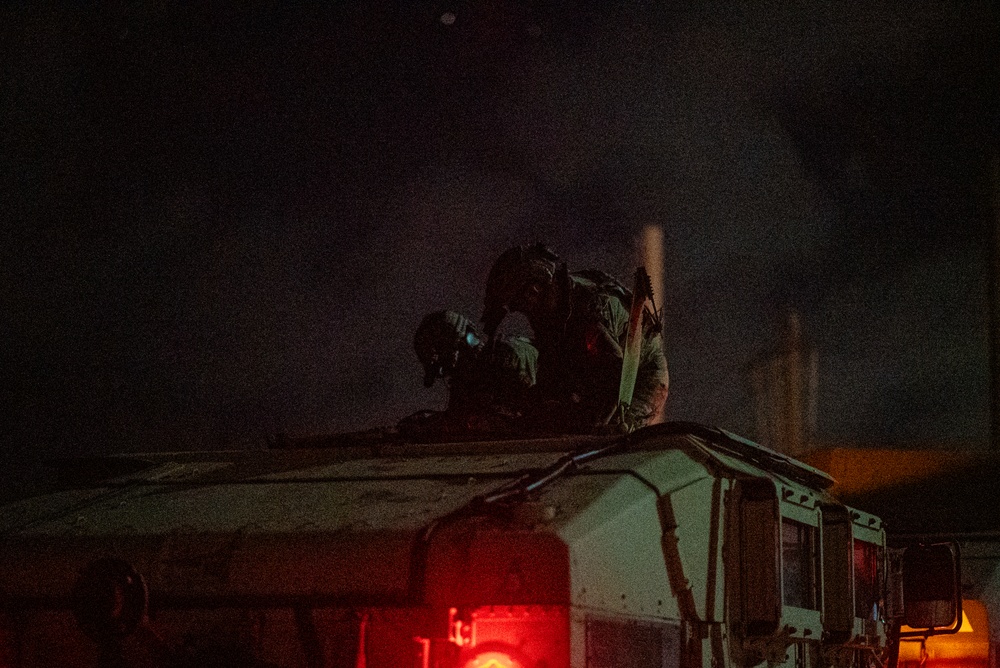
(397, 534)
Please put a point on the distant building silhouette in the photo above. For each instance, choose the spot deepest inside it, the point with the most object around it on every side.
(783, 384)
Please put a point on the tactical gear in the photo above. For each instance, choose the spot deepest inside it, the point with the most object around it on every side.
(581, 355)
(441, 339)
(516, 271)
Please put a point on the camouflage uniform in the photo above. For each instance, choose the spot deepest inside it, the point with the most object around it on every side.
(580, 337)
(581, 349)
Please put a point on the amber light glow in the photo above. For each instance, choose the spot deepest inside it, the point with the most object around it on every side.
(969, 648)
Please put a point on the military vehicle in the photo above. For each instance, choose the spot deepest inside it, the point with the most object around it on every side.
(675, 546)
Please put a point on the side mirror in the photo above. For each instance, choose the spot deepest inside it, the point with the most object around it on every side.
(931, 583)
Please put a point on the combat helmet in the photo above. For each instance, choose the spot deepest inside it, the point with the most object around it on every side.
(442, 338)
(513, 272)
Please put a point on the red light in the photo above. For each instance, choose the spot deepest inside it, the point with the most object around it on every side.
(517, 636)
(492, 660)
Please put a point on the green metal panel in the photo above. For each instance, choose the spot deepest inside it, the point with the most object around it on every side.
(251, 526)
(699, 516)
(615, 555)
(640, 533)
(666, 470)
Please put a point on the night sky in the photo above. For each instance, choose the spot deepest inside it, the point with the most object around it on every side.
(225, 223)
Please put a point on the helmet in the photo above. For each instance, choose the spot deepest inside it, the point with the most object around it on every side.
(441, 339)
(514, 271)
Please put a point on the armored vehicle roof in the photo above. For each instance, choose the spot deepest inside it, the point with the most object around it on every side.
(341, 522)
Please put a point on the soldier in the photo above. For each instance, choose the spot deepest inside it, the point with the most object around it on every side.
(482, 384)
(580, 324)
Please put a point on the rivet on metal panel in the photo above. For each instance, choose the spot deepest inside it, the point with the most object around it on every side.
(459, 631)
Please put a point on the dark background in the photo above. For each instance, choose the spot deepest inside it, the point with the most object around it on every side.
(223, 222)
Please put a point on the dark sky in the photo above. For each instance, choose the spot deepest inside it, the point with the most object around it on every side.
(223, 223)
